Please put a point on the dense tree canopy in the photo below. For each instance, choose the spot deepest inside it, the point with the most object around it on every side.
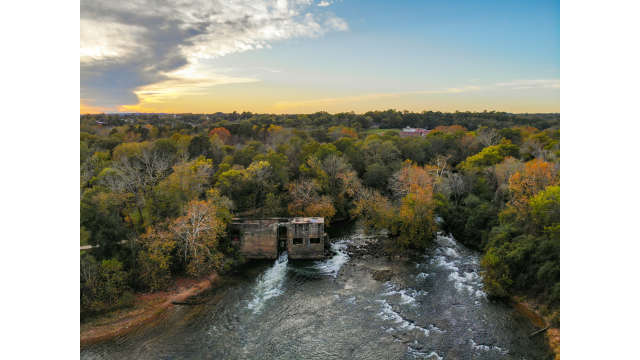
(168, 185)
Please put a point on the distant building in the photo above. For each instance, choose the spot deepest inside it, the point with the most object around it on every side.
(414, 132)
(301, 237)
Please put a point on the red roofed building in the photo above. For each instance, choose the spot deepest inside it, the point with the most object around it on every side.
(414, 132)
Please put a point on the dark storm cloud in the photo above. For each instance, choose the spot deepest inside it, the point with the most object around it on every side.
(110, 83)
(129, 44)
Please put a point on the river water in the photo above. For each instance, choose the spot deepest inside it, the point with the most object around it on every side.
(434, 307)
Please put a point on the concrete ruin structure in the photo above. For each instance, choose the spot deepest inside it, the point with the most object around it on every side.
(301, 237)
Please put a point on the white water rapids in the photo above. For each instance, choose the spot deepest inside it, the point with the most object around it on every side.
(432, 307)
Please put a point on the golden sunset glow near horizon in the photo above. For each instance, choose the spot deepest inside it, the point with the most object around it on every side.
(307, 56)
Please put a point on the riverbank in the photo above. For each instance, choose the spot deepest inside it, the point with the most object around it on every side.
(532, 311)
(146, 309)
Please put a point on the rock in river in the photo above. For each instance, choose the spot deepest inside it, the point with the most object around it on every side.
(382, 275)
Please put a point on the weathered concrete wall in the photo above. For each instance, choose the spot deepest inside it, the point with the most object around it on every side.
(258, 238)
(305, 240)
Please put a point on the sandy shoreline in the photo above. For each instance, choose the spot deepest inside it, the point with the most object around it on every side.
(149, 307)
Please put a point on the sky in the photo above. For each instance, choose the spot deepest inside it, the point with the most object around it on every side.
(304, 56)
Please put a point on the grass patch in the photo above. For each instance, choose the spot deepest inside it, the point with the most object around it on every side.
(380, 131)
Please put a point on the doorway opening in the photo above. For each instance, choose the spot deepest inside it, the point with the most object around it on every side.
(282, 239)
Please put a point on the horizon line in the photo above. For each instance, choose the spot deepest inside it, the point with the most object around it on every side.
(316, 112)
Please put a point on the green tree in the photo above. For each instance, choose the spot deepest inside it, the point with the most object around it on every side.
(155, 260)
(496, 275)
(491, 155)
(199, 146)
(101, 213)
(187, 181)
(103, 285)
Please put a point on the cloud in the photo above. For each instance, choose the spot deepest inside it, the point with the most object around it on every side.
(186, 81)
(102, 41)
(512, 85)
(531, 84)
(129, 47)
(324, 3)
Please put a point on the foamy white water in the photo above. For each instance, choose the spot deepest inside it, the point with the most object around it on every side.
(422, 276)
(333, 265)
(269, 284)
(401, 324)
(459, 269)
(417, 354)
(482, 347)
(449, 257)
(406, 296)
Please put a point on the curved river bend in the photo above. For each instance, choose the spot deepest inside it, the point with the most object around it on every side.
(432, 308)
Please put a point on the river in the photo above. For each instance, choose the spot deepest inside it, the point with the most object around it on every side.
(434, 307)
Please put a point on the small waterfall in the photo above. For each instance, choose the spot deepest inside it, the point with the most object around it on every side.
(269, 284)
(332, 266)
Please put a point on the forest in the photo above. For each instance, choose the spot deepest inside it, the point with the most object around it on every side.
(158, 190)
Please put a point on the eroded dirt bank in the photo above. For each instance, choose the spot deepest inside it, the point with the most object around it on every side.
(147, 308)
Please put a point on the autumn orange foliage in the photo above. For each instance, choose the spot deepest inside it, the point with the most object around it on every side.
(350, 132)
(223, 134)
(536, 175)
(410, 221)
(449, 129)
(412, 179)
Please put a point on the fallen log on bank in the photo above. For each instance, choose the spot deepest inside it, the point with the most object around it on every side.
(538, 331)
(187, 302)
